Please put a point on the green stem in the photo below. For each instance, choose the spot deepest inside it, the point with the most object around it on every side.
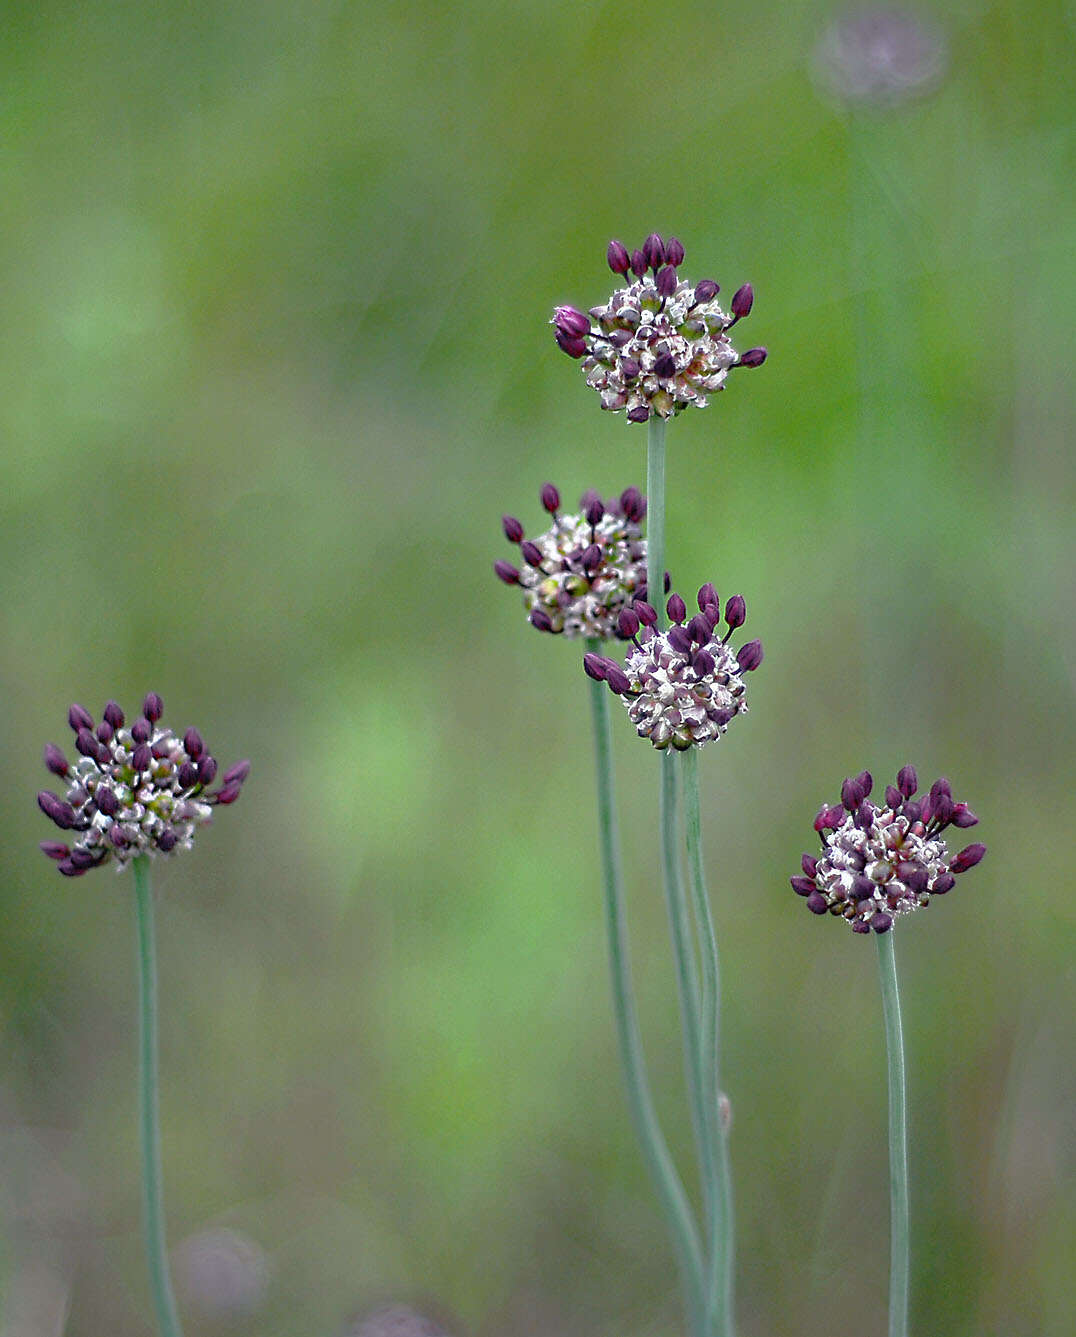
(655, 1150)
(153, 1207)
(720, 1279)
(655, 516)
(899, 1228)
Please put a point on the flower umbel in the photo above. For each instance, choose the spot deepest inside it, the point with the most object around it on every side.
(660, 343)
(682, 686)
(583, 571)
(880, 861)
(133, 790)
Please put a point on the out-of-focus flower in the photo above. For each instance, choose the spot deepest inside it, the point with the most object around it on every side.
(222, 1273)
(879, 54)
(883, 860)
(661, 343)
(682, 687)
(396, 1321)
(588, 566)
(132, 790)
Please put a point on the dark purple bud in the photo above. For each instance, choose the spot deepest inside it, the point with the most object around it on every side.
(851, 794)
(632, 503)
(803, 886)
(571, 321)
(754, 357)
(736, 611)
(70, 869)
(816, 903)
(699, 628)
(893, 796)
(513, 530)
(828, 819)
(639, 263)
(706, 290)
(56, 809)
(550, 498)
(913, 875)
(55, 760)
(82, 860)
(141, 731)
(707, 596)
(742, 301)
(618, 680)
(152, 707)
(237, 773)
(531, 553)
(617, 255)
(859, 926)
(680, 639)
(229, 794)
(188, 775)
(161, 748)
(676, 608)
(861, 888)
(907, 781)
(640, 413)
(86, 743)
(702, 662)
(595, 511)
(207, 769)
(166, 841)
(667, 281)
(913, 810)
(104, 732)
(881, 922)
(54, 849)
(106, 800)
(809, 864)
(942, 883)
(79, 718)
(866, 782)
(749, 656)
(712, 614)
(192, 744)
(592, 558)
(142, 757)
(571, 344)
(942, 809)
(507, 572)
(114, 715)
(541, 620)
(963, 816)
(646, 612)
(674, 251)
(594, 666)
(864, 815)
(629, 368)
(967, 858)
(654, 250)
(939, 787)
(665, 366)
(628, 622)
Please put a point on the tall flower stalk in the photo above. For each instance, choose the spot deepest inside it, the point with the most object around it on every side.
(899, 1221)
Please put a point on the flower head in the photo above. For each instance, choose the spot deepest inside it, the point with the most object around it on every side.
(881, 860)
(880, 54)
(588, 566)
(660, 343)
(132, 790)
(682, 686)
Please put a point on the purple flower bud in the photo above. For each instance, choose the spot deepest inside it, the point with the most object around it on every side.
(550, 498)
(893, 796)
(628, 622)
(142, 757)
(706, 291)
(592, 558)
(106, 800)
(676, 608)
(861, 888)
(639, 263)
(541, 620)
(54, 849)
(907, 781)
(152, 707)
(640, 413)
(79, 718)
(754, 357)
(70, 869)
(968, 857)
(828, 819)
(939, 787)
(141, 730)
(82, 859)
(809, 863)
(851, 794)
(237, 773)
(913, 810)
(632, 503)
(942, 809)
(188, 775)
(572, 344)
(816, 903)
(749, 656)
(56, 809)
(114, 715)
(86, 743)
(507, 572)
(736, 611)
(866, 782)
(229, 794)
(942, 883)
(654, 250)
(513, 530)
(963, 816)
(803, 886)
(207, 769)
(166, 841)
(531, 553)
(680, 639)
(161, 748)
(665, 366)
(595, 511)
(192, 744)
(702, 662)
(618, 680)
(571, 321)
(699, 628)
(104, 732)
(674, 251)
(707, 596)
(55, 760)
(646, 612)
(617, 255)
(913, 875)
(881, 922)
(742, 301)
(864, 815)
(667, 281)
(594, 666)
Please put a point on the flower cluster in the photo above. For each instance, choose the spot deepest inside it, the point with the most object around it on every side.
(682, 686)
(136, 790)
(660, 343)
(586, 568)
(881, 861)
(880, 55)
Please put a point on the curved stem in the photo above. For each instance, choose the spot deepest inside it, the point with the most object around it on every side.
(720, 1261)
(899, 1228)
(153, 1206)
(655, 1150)
(655, 516)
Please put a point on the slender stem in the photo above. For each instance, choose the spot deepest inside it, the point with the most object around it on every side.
(153, 1206)
(720, 1278)
(655, 1150)
(655, 516)
(899, 1229)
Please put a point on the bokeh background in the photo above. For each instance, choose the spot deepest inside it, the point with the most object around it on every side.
(275, 358)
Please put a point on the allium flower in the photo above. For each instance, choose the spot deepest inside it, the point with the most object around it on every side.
(660, 343)
(880, 54)
(682, 686)
(132, 791)
(578, 576)
(879, 861)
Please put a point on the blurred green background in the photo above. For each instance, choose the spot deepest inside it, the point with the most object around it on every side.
(275, 358)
